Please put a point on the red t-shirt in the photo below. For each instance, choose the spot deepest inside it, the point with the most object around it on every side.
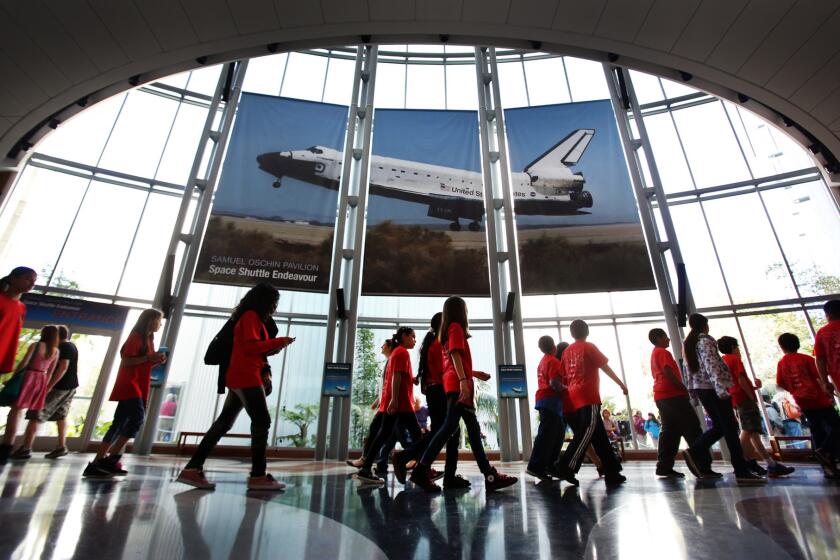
(548, 369)
(797, 374)
(399, 362)
(133, 381)
(434, 364)
(827, 346)
(12, 312)
(736, 367)
(250, 346)
(456, 340)
(581, 361)
(663, 385)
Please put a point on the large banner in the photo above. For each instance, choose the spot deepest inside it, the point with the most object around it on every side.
(576, 215)
(425, 214)
(275, 207)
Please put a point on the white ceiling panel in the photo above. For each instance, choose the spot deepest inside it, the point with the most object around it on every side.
(621, 20)
(169, 23)
(747, 33)
(253, 16)
(708, 25)
(89, 32)
(828, 110)
(337, 11)
(11, 105)
(822, 82)
(37, 21)
(298, 14)
(664, 23)
(577, 16)
(439, 10)
(536, 13)
(210, 19)
(19, 85)
(486, 11)
(5, 122)
(781, 43)
(127, 27)
(391, 10)
(808, 59)
(31, 59)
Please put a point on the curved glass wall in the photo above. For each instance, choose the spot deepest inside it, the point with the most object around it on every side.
(93, 209)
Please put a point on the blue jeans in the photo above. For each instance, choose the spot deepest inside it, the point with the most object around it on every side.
(794, 428)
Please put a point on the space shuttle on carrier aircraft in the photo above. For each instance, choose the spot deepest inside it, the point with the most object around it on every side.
(546, 187)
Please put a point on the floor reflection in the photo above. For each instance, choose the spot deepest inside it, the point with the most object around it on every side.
(48, 511)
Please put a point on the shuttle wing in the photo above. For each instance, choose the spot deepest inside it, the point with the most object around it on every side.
(563, 154)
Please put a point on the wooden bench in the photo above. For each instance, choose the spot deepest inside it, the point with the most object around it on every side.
(182, 438)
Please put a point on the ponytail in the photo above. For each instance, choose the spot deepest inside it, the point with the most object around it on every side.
(697, 323)
(396, 338)
(431, 335)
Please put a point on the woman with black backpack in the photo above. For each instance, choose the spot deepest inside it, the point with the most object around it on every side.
(247, 378)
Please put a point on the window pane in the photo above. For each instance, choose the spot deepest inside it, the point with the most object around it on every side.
(82, 138)
(37, 218)
(675, 89)
(769, 151)
(761, 332)
(586, 79)
(460, 87)
(425, 87)
(512, 85)
(638, 301)
(137, 142)
(98, 243)
(205, 80)
(670, 160)
(546, 81)
(700, 263)
(390, 86)
(805, 220)
(340, 81)
(635, 353)
(748, 252)
(711, 147)
(179, 152)
(647, 87)
(265, 74)
(304, 76)
(573, 305)
(300, 390)
(146, 259)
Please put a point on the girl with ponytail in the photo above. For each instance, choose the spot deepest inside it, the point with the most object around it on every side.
(12, 286)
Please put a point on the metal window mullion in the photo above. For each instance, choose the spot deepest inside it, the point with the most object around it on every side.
(633, 439)
(283, 76)
(326, 75)
(280, 390)
(566, 76)
(647, 218)
(206, 186)
(659, 191)
(525, 80)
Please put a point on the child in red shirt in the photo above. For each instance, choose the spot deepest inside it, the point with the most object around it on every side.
(679, 420)
(131, 391)
(797, 374)
(579, 367)
(745, 402)
(549, 405)
(12, 287)
(827, 346)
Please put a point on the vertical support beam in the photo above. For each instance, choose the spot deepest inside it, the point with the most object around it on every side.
(502, 249)
(619, 94)
(348, 251)
(173, 301)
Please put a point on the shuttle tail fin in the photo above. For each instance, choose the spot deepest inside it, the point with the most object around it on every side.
(566, 152)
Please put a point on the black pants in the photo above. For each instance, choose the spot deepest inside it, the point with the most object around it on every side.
(128, 419)
(549, 440)
(404, 420)
(588, 428)
(253, 401)
(724, 425)
(679, 421)
(455, 412)
(436, 401)
(825, 429)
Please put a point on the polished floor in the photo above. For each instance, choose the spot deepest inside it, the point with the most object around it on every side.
(48, 511)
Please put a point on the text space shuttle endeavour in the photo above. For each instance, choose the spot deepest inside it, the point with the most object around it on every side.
(546, 187)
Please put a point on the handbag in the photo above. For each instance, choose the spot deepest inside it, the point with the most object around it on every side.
(11, 390)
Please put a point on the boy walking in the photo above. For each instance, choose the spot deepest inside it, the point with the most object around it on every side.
(548, 403)
(579, 366)
(797, 374)
(827, 345)
(678, 417)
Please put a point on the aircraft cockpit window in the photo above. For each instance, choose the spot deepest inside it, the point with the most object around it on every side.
(315, 150)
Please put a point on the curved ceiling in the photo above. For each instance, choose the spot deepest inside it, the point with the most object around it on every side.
(781, 54)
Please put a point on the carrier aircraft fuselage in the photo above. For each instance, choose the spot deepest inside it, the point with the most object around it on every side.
(547, 186)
